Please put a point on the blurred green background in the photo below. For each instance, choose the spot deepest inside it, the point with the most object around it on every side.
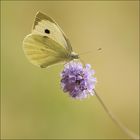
(33, 104)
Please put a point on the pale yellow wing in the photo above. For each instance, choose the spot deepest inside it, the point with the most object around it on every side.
(42, 51)
(46, 26)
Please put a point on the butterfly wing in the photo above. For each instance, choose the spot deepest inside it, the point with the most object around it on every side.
(47, 44)
(43, 51)
(46, 26)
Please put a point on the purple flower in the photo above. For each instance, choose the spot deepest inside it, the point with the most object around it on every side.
(77, 80)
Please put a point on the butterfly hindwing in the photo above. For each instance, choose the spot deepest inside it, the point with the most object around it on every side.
(43, 51)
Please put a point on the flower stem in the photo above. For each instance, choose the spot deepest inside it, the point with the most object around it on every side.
(115, 120)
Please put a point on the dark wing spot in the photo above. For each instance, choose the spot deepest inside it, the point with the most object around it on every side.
(47, 31)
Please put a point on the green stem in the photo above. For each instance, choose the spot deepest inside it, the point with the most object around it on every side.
(115, 120)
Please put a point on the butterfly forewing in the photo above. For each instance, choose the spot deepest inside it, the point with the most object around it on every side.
(46, 26)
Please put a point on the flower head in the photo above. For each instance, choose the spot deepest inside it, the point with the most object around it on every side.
(77, 80)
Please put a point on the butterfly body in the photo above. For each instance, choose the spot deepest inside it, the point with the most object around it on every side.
(47, 44)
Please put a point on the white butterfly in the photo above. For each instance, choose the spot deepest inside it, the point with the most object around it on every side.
(47, 44)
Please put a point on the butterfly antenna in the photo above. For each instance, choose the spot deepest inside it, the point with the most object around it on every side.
(99, 49)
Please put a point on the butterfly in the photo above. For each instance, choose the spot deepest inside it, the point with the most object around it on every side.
(47, 44)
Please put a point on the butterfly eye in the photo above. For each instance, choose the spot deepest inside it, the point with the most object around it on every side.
(47, 31)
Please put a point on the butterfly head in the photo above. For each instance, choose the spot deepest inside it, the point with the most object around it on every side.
(74, 55)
